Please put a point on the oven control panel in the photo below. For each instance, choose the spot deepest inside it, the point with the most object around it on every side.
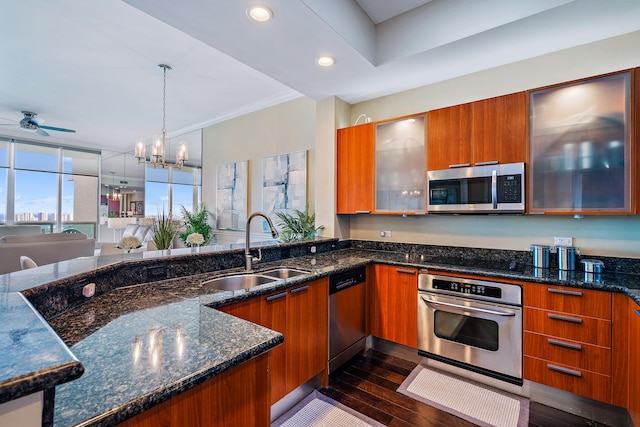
(467, 288)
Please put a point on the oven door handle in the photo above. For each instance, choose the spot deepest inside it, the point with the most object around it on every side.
(463, 307)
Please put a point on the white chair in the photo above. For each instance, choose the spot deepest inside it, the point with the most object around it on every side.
(26, 262)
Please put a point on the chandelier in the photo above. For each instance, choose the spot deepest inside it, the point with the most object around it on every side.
(158, 142)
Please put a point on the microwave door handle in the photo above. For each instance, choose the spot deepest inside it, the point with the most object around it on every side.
(476, 309)
(494, 188)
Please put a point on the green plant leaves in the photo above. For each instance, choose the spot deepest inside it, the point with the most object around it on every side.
(164, 229)
(196, 222)
(298, 225)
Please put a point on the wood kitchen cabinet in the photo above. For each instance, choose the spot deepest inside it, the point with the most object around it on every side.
(500, 129)
(581, 150)
(567, 339)
(449, 137)
(483, 132)
(400, 165)
(300, 314)
(355, 169)
(269, 311)
(634, 367)
(238, 397)
(306, 341)
(393, 307)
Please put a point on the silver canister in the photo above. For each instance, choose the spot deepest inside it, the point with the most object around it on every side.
(592, 270)
(566, 258)
(540, 256)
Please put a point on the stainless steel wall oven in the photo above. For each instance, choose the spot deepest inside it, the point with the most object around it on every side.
(472, 324)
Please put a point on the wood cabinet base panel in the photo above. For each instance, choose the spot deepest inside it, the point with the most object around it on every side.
(238, 397)
(589, 384)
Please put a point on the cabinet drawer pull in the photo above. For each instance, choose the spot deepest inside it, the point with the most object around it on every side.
(363, 212)
(565, 370)
(563, 344)
(637, 312)
(276, 296)
(403, 271)
(460, 165)
(490, 162)
(563, 292)
(300, 289)
(564, 318)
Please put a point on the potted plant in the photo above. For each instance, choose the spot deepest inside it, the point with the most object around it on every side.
(298, 225)
(196, 222)
(164, 228)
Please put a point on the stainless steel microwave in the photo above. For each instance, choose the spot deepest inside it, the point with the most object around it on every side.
(479, 189)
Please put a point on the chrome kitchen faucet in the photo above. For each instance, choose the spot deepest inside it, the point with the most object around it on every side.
(250, 259)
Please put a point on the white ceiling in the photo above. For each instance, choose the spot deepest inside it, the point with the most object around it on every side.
(92, 65)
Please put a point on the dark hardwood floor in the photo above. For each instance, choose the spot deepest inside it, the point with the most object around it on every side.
(368, 385)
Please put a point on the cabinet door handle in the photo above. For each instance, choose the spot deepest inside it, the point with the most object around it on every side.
(565, 370)
(460, 165)
(565, 318)
(363, 212)
(300, 289)
(564, 292)
(563, 344)
(467, 308)
(637, 312)
(276, 296)
(490, 162)
(494, 189)
(403, 271)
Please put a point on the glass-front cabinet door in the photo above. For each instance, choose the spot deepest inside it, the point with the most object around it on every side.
(580, 147)
(400, 165)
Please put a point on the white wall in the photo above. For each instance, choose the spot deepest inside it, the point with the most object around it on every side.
(284, 128)
(609, 235)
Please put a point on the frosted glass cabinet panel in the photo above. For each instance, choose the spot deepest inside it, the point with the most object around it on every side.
(580, 159)
(400, 165)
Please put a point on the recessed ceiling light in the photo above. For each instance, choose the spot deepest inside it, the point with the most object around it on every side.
(326, 61)
(259, 13)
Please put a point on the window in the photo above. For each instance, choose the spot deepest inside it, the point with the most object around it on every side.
(4, 171)
(50, 186)
(166, 189)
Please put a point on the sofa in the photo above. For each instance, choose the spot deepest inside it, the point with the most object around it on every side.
(42, 248)
(20, 230)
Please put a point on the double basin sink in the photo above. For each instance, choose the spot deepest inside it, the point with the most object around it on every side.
(241, 281)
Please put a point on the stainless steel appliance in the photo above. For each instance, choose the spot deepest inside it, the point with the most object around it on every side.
(472, 324)
(347, 299)
(495, 188)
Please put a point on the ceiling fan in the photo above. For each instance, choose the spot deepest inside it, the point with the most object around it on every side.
(33, 123)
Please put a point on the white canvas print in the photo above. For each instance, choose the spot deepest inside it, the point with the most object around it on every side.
(231, 195)
(284, 183)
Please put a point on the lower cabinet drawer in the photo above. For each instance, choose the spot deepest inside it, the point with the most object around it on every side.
(568, 326)
(582, 382)
(568, 353)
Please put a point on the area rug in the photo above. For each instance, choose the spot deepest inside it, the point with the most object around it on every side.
(470, 401)
(320, 410)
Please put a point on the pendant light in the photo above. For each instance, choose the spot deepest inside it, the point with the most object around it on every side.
(158, 143)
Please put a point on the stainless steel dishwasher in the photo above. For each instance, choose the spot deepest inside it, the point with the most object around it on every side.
(347, 302)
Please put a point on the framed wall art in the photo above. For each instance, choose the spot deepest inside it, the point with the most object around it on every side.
(284, 182)
(231, 195)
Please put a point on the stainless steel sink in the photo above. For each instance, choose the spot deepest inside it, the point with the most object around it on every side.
(237, 282)
(283, 273)
(249, 280)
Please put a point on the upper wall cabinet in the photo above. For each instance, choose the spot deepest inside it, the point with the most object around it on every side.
(484, 132)
(354, 169)
(400, 165)
(580, 147)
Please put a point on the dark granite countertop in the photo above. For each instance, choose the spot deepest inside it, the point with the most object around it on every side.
(143, 344)
(33, 356)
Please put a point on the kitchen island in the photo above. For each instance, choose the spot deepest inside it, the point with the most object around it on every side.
(144, 343)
